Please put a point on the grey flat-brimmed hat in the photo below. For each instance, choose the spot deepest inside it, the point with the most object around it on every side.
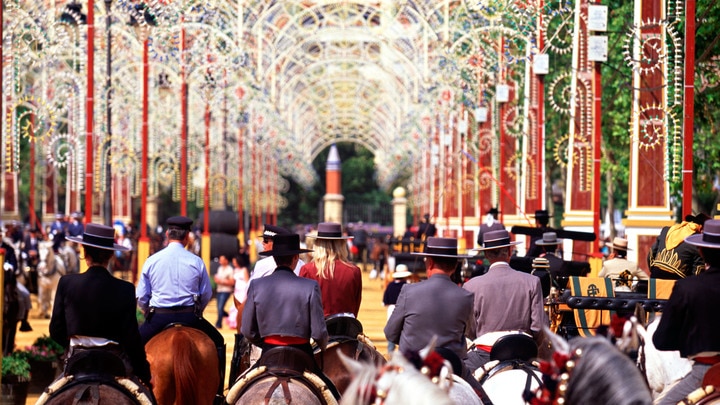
(285, 245)
(497, 239)
(328, 230)
(440, 247)
(99, 236)
(710, 236)
(548, 239)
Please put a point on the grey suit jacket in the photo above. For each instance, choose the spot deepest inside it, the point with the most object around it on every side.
(286, 305)
(506, 299)
(434, 307)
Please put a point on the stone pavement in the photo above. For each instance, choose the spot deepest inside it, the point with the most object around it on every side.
(372, 315)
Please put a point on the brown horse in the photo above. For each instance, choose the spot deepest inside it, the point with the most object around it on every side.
(184, 366)
(346, 337)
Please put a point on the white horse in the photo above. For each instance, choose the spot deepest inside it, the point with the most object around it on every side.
(400, 382)
(50, 269)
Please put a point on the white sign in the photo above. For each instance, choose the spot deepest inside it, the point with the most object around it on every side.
(597, 17)
(481, 114)
(541, 64)
(597, 48)
(502, 93)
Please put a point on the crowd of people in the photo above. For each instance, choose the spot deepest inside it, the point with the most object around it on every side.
(284, 300)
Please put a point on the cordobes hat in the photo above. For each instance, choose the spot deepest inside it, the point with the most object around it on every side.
(710, 236)
(548, 238)
(285, 245)
(179, 222)
(497, 239)
(620, 243)
(271, 230)
(440, 247)
(328, 230)
(99, 236)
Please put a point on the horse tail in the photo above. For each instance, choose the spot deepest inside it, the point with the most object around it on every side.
(187, 359)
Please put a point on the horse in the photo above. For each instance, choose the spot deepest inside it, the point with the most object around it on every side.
(280, 377)
(346, 337)
(512, 368)
(590, 371)
(184, 366)
(96, 376)
(50, 268)
(396, 382)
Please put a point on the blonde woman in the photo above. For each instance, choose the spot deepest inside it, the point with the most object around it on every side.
(339, 279)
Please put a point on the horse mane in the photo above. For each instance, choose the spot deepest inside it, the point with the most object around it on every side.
(404, 387)
(604, 375)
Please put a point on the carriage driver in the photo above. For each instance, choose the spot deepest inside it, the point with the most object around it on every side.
(174, 287)
(689, 321)
(435, 307)
(95, 309)
(283, 309)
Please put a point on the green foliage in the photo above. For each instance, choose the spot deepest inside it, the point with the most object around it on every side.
(15, 365)
(43, 349)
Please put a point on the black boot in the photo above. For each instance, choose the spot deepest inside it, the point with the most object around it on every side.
(220, 397)
(236, 364)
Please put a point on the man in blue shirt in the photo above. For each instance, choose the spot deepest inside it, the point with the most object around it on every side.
(174, 287)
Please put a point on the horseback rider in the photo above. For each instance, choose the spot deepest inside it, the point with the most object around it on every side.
(284, 310)
(504, 299)
(174, 287)
(96, 310)
(435, 307)
(689, 319)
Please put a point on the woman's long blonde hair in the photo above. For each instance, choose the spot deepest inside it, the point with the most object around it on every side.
(326, 252)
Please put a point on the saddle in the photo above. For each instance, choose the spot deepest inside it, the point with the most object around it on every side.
(343, 327)
(96, 361)
(286, 358)
(514, 346)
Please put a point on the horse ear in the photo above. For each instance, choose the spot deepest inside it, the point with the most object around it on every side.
(354, 367)
(429, 348)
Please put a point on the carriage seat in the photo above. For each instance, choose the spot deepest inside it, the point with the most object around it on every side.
(286, 357)
(514, 346)
(96, 361)
(343, 326)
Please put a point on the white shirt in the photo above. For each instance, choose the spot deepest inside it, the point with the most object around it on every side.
(265, 267)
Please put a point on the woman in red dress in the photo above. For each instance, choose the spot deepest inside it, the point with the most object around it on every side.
(340, 280)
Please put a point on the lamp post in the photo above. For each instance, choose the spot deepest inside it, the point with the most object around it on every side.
(107, 204)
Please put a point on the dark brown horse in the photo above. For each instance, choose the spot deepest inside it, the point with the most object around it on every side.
(346, 337)
(184, 366)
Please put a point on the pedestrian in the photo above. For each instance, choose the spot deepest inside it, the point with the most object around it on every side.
(284, 310)
(265, 266)
(340, 280)
(619, 268)
(491, 223)
(360, 241)
(392, 291)
(670, 257)
(174, 287)
(542, 221)
(225, 281)
(504, 299)
(95, 309)
(689, 321)
(436, 307)
(242, 280)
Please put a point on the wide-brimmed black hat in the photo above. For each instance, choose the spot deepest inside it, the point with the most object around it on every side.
(548, 239)
(99, 236)
(328, 230)
(497, 239)
(179, 222)
(271, 230)
(285, 245)
(493, 211)
(440, 247)
(542, 214)
(710, 236)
